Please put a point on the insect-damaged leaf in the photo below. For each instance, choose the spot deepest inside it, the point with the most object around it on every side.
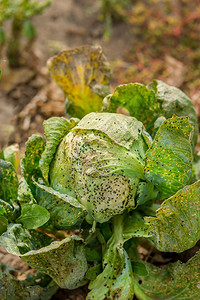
(134, 226)
(176, 226)
(34, 287)
(55, 129)
(180, 281)
(30, 163)
(65, 210)
(12, 155)
(168, 162)
(8, 182)
(138, 100)
(174, 102)
(116, 281)
(83, 75)
(64, 261)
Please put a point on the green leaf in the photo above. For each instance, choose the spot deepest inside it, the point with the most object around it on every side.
(3, 224)
(29, 30)
(25, 195)
(139, 268)
(12, 155)
(180, 281)
(30, 163)
(8, 182)
(168, 162)
(63, 261)
(17, 240)
(2, 36)
(134, 226)
(28, 289)
(176, 227)
(92, 255)
(33, 216)
(174, 102)
(116, 281)
(93, 272)
(83, 75)
(123, 130)
(146, 193)
(55, 129)
(7, 210)
(65, 210)
(138, 100)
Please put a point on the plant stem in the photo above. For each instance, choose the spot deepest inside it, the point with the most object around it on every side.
(13, 51)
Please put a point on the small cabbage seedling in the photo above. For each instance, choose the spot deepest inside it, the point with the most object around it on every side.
(20, 13)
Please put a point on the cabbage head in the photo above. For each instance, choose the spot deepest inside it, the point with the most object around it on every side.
(100, 162)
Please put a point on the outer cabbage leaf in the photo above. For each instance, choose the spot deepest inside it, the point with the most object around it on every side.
(28, 289)
(83, 75)
(55, 129)
(168, 162)
(8, 182)
(12, 155)
(138, 100)
(174, 102)
(65, 210)
(64, 261)
(176, 227)
(134, 226)
(17, 240)
(32, 215)
(178, 280)
(30, 163)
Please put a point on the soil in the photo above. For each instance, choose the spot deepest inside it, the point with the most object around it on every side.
(28, 96)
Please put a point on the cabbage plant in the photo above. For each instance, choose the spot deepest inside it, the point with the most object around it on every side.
(99, 187)
(92, 191)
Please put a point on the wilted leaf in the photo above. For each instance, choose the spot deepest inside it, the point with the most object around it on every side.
(55, 129)
(168, 162)
(65, 210)
(8, 182)
(180, 281)
(176, 227)
(83, 75)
